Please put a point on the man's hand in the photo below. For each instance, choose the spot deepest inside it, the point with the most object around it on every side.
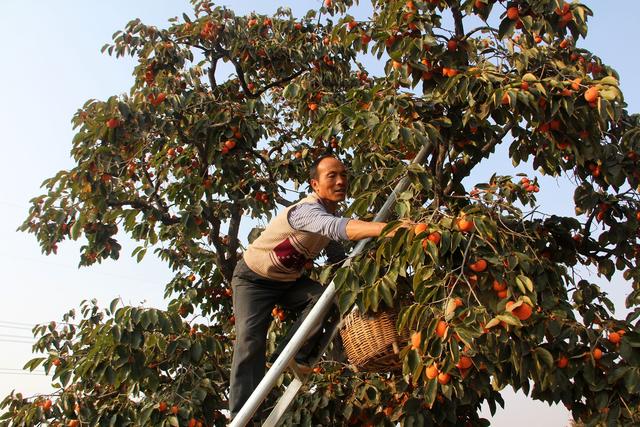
(404, 223)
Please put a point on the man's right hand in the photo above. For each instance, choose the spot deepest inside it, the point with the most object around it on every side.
(404, 223)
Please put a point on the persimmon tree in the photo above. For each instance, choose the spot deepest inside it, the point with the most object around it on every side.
(489, 289)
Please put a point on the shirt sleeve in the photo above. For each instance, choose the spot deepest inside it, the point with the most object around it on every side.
(314, 218)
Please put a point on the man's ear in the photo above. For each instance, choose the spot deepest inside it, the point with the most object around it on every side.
(314, 184)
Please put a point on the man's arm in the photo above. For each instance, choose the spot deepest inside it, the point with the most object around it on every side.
(314, 218)
(358, 230)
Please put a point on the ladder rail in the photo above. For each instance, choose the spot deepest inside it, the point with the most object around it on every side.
(315, 316)
(295, 385)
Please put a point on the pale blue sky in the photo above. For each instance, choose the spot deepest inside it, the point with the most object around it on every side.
(52, 64)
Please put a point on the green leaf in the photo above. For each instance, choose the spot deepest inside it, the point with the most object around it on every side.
(346, 301)
(491, 323)
(545, 355)
(369, 271)
(340, 279)
(145, 414)
(141, 253)
(196, 351)
(291, 91)
(506, 28)
(113, 305)
(524, 283)
(442, 121)
(325, 274)
(632, 381)
(509, 319)
(430, 391)
(385, 291)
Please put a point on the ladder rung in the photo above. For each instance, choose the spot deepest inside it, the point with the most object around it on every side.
(283, 403)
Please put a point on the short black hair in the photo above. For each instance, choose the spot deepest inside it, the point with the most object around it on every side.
(313, 170)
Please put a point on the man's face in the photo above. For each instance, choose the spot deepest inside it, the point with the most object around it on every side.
(332, 182)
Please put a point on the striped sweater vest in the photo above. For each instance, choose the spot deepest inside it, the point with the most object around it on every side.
(280, 252)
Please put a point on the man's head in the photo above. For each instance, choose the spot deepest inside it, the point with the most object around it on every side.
(328, 178)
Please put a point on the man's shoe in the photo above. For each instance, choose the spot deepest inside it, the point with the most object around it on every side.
(300, 370)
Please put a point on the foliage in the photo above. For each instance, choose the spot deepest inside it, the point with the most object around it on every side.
(185, 155)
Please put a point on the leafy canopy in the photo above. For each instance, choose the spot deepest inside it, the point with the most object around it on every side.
(487, 290)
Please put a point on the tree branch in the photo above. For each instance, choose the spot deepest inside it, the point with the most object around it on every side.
(234, 228)
(212, 72)
(214, 234)
(439, 191)
(243, 82)
(464, 170)
(475, 30)
(457, 18)
(265, 88)
(144, 206)
(284, 202)
(161, 206)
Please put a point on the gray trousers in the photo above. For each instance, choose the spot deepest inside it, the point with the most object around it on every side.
(253, 299)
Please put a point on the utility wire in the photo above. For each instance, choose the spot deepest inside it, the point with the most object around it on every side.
(10, 322)
(23, 373)
(15, 336)
(17, 341)
(75, 268)
(22, 328)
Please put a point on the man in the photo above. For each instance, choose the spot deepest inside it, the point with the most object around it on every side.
(271, 273)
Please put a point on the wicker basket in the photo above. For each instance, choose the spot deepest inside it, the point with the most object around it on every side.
(372, 342)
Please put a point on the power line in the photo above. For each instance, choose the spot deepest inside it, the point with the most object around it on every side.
(75, 268)
(22, 328)
(17, 341)
(23, 373)
(16, 323)
(15, 336)
(14, 204)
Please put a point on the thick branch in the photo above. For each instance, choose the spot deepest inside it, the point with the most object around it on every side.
(161, 206)
(483, 28)
(259, 93)
(212, 73)
(145, 207)
(284, 202)
(587, 225)
(214, 235)
(457, 18)
(439, 191)
(224, 52)
(464, 170)
(234, 227)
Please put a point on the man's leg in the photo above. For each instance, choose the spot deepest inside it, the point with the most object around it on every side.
(252, 304)
(302, 295)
